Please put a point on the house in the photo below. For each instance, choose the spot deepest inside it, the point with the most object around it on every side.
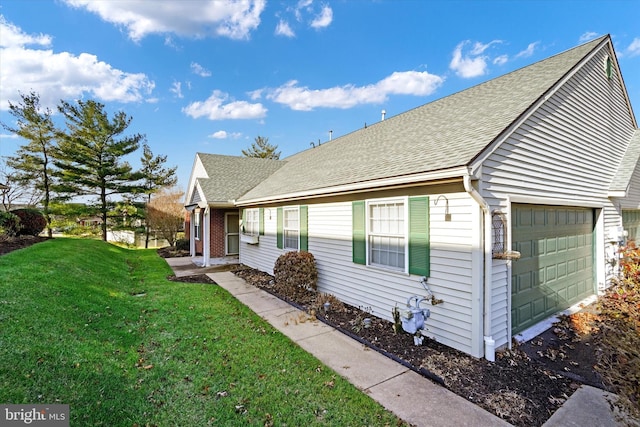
(507, 201)
(212, 222)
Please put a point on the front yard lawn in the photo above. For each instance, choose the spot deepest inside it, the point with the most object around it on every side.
(100, 328)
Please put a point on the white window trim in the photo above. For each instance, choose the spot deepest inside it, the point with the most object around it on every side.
(256, 230)
(197, 227)
(284, 229)
(405, 202)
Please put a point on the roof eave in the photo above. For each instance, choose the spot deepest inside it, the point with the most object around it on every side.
(433, 177)
(617, 194)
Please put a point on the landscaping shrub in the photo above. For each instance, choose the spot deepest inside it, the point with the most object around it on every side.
(9, 223)
(182, 245)
(296, 270)
(619, 336)
(31, 220)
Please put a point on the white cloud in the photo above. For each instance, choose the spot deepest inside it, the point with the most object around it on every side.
(323, 19)
(305, 12)
(255, 94)
(634, 47)
(221, 134)
(589, 35)
(200, 70)
(284, 29)
(12, 36)
(474, 62)
(216, 107)
(176, 89)
(466, 66)
(399, 83)
(528, 51)
(501, 60)
(56, 76)
(198, 19)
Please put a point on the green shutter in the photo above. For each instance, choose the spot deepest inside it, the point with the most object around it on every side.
(359, 232)
(261, 221)
(279, 235)
(419, 251)
(304, 228)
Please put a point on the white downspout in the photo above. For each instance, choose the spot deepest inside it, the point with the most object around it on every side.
(489, 342)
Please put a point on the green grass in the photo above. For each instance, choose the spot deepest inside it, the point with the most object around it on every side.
(100, 328)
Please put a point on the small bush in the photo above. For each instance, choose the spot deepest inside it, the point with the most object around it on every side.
(619, 362)
(182, 245)
(296, 270)
(9, 223)
(31, 220)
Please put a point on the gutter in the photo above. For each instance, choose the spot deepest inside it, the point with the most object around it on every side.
(403, 181)
(489, 342)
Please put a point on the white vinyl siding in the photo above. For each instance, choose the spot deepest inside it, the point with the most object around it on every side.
(561, 152)
(451, 278)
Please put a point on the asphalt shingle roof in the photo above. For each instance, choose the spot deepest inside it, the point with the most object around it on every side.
(622, 179)
(443, 134)
(231, 176)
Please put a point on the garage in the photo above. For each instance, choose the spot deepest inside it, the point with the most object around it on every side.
(556, 268)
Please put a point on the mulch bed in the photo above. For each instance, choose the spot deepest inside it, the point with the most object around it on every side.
(9, 244)
(524, 386)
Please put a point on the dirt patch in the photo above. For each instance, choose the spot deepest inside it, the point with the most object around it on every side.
(524, 386)
(171, 252)
(200, 278)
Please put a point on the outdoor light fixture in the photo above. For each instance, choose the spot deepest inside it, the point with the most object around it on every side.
(447, 215)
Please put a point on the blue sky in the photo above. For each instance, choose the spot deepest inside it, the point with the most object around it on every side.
(210, 76)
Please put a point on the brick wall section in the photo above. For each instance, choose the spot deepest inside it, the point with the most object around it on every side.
(217, 233)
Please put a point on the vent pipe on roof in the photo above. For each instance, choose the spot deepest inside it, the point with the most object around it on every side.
(330, 135)
(384, 113)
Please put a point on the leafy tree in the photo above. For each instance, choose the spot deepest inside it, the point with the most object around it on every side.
(262, 149)
(32, 161)
(165, 213)
(155, 177)
(90, 155)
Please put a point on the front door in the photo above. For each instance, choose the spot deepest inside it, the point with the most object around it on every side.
(232, 233)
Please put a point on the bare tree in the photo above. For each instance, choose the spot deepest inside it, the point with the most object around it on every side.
(14, 191)
(165, 213)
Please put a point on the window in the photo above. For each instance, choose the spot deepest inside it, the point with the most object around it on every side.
(386, 234)
(251, 224)
(196, 224)
(392, 233)
(291, 228)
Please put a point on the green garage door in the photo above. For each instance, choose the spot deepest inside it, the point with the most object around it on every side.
(556, 268)
(631, 224)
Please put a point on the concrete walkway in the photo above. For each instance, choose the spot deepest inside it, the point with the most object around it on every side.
(412, 397)
(409, 395)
